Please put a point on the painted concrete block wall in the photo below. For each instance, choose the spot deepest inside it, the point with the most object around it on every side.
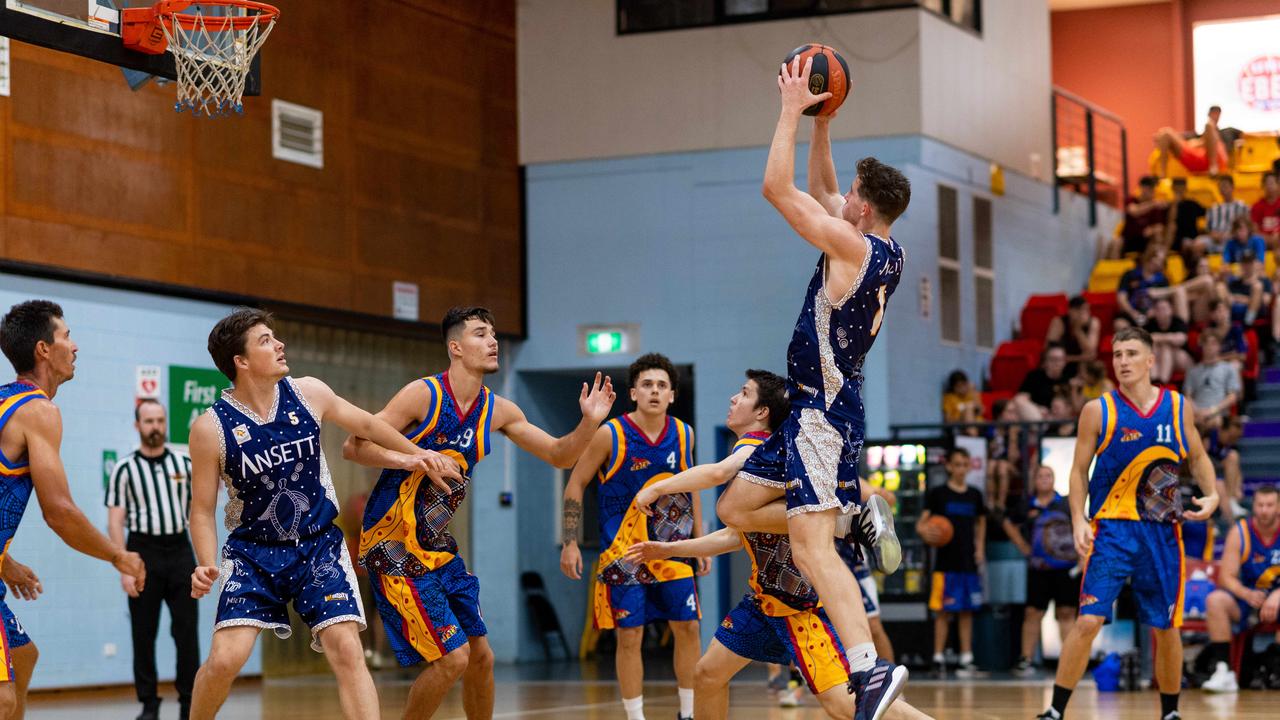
(83, 608)
(713, 88)
(685, 246)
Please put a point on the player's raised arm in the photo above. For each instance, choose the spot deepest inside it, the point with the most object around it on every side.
(41, 425)
(717, 543)
(595, 402)
(832, 235)
(590, 462)
(1201, 466)
(824, 186)
(205, 460)
(699, 477)
(363, 424)
(1090, 426)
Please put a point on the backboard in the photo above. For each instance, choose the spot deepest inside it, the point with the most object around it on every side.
(91, 28)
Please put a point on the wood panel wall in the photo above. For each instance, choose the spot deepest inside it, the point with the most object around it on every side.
(420, 178)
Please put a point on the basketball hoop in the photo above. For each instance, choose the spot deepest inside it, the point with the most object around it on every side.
(212, 53)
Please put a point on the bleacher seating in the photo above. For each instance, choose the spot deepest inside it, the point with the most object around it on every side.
(1038, 312)
(1106, 274)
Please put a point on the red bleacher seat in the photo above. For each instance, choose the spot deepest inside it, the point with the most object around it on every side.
(1011, 363)
(1104, 354)
(1102, 305)
(989, 400)
(1038, 312)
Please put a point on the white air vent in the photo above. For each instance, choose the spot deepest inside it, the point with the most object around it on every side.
(297, 134)
(4, 66)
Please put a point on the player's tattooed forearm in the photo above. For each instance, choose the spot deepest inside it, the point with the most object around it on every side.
(572, 519)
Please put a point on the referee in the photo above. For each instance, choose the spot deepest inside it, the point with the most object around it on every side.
(150, 494)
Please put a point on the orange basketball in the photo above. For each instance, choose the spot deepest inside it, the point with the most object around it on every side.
(937, 531)
(830, 73)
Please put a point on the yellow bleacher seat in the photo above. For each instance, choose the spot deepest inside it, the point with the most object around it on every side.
(1106, 275)
(1256, 152)
(1215, 262)
(1269, 265)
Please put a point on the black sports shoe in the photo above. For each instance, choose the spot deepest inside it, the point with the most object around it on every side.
(1049, 714)
(150, 711)
(874, 531)
(876, 689)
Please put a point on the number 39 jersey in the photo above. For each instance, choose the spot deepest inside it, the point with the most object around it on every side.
(634, 462)
(406, 518)
(1135, 473)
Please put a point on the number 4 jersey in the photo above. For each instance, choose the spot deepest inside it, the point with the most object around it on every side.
(635, 461)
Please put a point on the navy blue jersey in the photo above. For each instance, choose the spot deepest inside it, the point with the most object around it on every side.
(824, 360)
(277, 480)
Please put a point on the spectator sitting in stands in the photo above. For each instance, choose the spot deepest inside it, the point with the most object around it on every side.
(1234, 347)
(1169, 342)
(1220, 445)
(1266, 212)
(1144, 219)
(1248, 291)
(1182, 229)
(1005, 453)
(1220, 217)
(1241, 240)
(1063, 413)
(1140, 287)
(1035, 395)
(961, 402)
(1077, 332)
(1198, 155)
(1213, 384)
(1090, 384)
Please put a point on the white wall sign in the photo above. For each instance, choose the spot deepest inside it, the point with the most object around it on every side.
(404, 300)
(1237, 66)
(147, 386)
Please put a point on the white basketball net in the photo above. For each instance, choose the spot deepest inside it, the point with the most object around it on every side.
(213, 60)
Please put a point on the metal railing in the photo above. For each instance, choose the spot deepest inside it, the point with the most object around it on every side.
(1090, 151)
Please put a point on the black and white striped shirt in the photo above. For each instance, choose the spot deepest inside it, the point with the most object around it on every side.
(154, 492)
(1220, 216)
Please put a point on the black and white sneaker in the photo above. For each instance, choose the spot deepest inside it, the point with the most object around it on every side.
(876, 689)
(1049, 714)
(874, 531)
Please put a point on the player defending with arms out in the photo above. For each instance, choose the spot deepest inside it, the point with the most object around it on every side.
(37, 342)
(262, 438)
(1248, 584)
(813, 458)
(1138, 436)
(429, 603)
(627, 453)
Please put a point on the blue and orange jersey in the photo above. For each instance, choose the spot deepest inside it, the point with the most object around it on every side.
(1259, 557)
(751, 439)
(633, 462)
(15, 473)
(1199, 539)
(779, 587)
(1135, 472)
(406, 520)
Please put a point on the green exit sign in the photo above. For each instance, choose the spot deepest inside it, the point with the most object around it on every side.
(604, 341)
(607, 339)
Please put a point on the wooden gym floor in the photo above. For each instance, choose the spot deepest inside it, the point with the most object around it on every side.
(567, 692)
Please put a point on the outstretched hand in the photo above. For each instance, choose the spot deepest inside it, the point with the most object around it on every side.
(21, 580)
(1205, 508)
(645, 551)
(644, 500)
(438, 467)
(597, 400)
(793, 83)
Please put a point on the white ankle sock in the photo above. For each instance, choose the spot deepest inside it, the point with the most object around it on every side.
(686, 702)
(634, 707)
(844, 522)
(861, 657)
